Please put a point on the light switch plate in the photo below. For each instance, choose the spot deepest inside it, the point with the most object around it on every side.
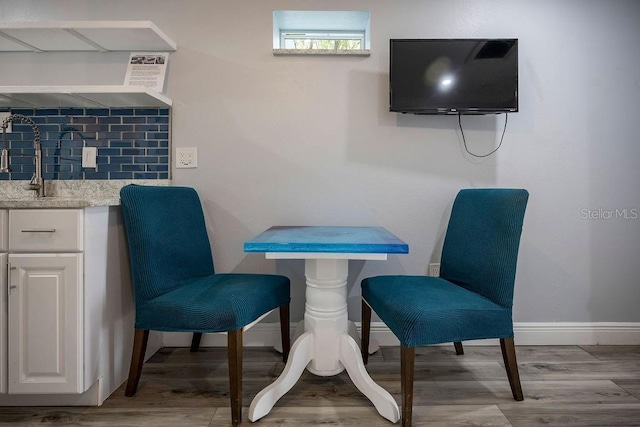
(186, 157)
(89, 155)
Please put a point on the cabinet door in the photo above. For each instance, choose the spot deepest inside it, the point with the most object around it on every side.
(3, 323)
(45, 323)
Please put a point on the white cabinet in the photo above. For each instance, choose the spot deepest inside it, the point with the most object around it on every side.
(45, 318)
(3, 325)
(44, 299)
(66, 314)
(4, 224)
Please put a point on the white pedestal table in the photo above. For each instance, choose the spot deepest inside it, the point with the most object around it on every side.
(329, 343)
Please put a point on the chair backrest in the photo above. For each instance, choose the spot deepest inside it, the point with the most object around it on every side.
(166, 236)
(481, 245)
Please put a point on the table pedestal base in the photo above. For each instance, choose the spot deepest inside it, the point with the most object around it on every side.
(326, 347)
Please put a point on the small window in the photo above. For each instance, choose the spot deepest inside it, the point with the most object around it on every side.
(320, 33)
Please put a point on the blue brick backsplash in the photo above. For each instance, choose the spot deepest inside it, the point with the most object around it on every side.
(132, 143)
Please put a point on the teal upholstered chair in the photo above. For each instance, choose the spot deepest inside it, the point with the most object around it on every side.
(472, 299)
(176, 288)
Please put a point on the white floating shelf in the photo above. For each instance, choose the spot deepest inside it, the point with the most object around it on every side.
(95, 96)
(99, 36)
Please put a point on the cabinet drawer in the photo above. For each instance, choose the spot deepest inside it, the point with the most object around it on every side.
(45, 230)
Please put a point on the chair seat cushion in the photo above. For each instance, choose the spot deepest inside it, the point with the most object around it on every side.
(423, 310)
(214, 303)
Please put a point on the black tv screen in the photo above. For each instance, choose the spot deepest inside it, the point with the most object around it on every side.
(453, 76)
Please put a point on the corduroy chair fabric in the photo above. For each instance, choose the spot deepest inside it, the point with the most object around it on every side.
(472, 298)
(175, 284)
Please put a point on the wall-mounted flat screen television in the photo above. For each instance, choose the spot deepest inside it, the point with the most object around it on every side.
(453, 76)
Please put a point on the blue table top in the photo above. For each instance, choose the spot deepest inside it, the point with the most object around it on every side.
(327, 239)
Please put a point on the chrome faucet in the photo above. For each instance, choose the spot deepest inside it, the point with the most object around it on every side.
(37, 182)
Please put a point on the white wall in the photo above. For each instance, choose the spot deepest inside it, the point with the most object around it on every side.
(309, 140)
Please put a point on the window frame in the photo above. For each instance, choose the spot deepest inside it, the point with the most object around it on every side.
(289, 25)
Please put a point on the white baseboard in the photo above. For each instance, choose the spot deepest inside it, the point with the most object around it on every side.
(577, 333)
(561, 333)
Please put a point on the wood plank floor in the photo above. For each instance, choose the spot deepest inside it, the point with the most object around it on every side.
(563, 386)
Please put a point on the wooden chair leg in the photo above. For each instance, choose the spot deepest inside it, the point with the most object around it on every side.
(407, 358)
(195, 341)
(140, 339)
(366, 331)
(459, 349)
(285, 333)
(511, 365)
(234, 353)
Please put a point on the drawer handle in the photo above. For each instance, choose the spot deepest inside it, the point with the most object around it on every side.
(39, 230)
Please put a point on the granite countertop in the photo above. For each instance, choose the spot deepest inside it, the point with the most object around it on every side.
(67, 194)
(56, 202)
